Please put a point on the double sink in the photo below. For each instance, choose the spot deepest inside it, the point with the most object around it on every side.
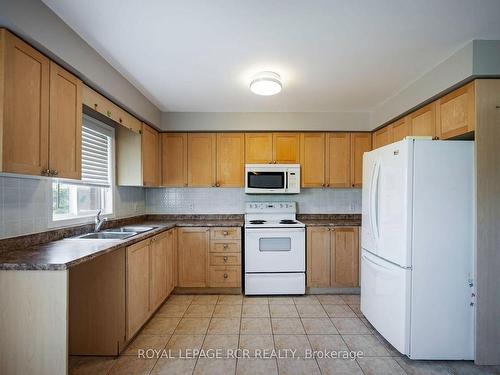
(120, 233)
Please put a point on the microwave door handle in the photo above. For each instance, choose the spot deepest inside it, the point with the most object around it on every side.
(286, 181)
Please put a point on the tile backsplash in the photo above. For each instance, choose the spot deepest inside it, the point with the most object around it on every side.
(232, 200)
(25, 204)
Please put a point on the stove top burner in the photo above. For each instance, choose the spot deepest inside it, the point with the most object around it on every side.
(257, 221)
(288, 222)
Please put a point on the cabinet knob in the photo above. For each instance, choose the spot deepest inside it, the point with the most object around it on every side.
(217, 184)
(120, 120)
(45, 172)
(95, 106)
(55, 173)
(327, 185)
(225, 259)
(225, 246)
(108, 113)
(225, 233)
(226, 276)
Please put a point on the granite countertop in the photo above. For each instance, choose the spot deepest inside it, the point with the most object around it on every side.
(66, 253)
(315, 220)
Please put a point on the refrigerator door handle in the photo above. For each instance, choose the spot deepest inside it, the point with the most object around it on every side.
(373, 262)
(376, 205)
(373, 198)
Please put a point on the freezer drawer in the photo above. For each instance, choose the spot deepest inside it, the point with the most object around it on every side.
(275, 283)
(385, 299)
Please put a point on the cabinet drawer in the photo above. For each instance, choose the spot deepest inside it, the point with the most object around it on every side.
(221, 276)
(225, 246)
(225, 233)
(229, 259)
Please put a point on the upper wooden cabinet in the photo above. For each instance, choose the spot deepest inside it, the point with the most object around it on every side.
(401, 129)
(272, 148)
(230, 160)
(286, 148)
(382, 136)
(150, 156)
(65, 127)
(360, 143)
(423, 121)
(258, 148)
(105, 107)
(202, 159)
(40, 121)
(338, 160)
(312, 159)
(456, 112)
(174, 156)
(332, 257)
(137, 156)
(193, 246)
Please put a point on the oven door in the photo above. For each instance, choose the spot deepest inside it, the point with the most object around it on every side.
(272, 181)
(275, 250)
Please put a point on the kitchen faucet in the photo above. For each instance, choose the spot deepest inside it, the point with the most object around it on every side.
(98, 221)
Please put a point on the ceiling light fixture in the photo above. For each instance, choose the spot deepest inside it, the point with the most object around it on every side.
(266, 83)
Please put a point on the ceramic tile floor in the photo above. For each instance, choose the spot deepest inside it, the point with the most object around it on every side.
(231, 322)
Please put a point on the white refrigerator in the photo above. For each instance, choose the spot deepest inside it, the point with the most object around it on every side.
(417, 247)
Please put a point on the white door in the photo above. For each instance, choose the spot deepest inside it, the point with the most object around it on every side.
(275, 250)
(385, 299)
(390, 203)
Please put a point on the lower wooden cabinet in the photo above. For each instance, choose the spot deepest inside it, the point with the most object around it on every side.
(225, 258)
(332, 257)
(159, 270)
(192, 250)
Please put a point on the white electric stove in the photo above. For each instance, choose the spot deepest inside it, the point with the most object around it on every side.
(275, 249)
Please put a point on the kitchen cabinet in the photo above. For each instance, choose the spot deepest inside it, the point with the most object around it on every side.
(258, 148)
(360, 143)
(65, 125)
(193, 244)
(312, 159)
(401, 129)
(40, 121)
(230, 160)
(202, 159)
(332, 257)
(150, 156)
(422, 122)
(159, 270)
(97, 306)
(105, 107)
(286, 148)
(138, 281)
(382, 137)
(137, 156)
(338, 157)
(174, 156)
(225, 257)
(456, 112)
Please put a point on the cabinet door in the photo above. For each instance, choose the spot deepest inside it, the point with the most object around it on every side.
(230, 159)
(150, 156)
(137, 286)
(258, 148)
(318, 257)
(25, 118)
(286, 148)
(456, 112)
(65, 135)
(174, 159)
(171, 265)
(338, 156)
(201, 159)
(382, 136)
(158, 283)
(423, 121)
(193, 256)
(345, 257)
(360, 143)
(312, 159)
(401, 129)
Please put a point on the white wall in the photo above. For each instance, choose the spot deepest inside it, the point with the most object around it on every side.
(26, 204)
(232, 200)
(288, 121)
(36, 23)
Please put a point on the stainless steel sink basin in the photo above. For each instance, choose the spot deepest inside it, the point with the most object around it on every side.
(106, 235)
(130, 228)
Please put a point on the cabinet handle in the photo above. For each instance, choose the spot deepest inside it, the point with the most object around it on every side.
(225, 259)
(226, 276)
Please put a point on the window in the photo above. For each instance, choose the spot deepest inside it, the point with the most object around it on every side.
(77, 201)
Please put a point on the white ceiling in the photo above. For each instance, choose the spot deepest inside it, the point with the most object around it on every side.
(336, 55)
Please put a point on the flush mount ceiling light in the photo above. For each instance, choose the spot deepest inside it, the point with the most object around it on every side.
(266, 83)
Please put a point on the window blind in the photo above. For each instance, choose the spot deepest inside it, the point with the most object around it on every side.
(96, 155)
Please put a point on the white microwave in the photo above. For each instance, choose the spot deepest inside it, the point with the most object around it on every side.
(272, 178)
